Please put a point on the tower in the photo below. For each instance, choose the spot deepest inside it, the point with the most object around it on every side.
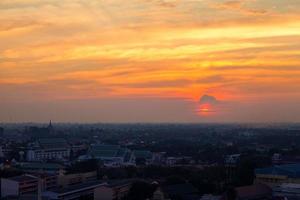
(50, 127)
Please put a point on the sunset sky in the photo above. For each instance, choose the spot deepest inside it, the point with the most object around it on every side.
(150, 60)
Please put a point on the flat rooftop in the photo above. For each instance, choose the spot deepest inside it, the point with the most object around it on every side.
(78, 187)
(23, 178)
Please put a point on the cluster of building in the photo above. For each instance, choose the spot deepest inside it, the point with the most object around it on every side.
(115, 155)
(279, 181)
(44, 175)
(59, 149)
(49, 186)
(283, 179)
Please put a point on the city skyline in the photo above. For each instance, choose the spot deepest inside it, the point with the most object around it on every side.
(149, 61)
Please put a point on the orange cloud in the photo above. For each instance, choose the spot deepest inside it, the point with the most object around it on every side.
(235, 50)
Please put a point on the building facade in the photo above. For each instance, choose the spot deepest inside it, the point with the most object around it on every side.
(19, 185)
(49, 149)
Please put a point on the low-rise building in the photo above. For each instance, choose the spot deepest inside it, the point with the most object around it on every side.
(75, 192)
(278, 159)
(254, 192)
(49, 149)
(158, 195)
(159, 158)
(6, 150)
(181, 191)
(210, 197)
(33, 167)
(111, 155)
(66, 180)
(47, 180)
(113, 190)
(278, 174)
(287, 190)
(141, 157)
(232, 160)
(19, 185)
(175, 161)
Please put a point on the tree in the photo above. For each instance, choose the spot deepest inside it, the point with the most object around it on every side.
(84, 166)
(140, 191)
(231, 194)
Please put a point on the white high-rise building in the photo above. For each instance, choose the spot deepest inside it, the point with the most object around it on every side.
(1, 152)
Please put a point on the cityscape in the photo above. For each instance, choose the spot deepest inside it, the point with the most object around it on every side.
(150, 161)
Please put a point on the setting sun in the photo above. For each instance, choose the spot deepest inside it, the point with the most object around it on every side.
(205, 109)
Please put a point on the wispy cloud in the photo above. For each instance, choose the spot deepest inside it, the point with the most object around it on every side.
(239, 6)
(66, 49)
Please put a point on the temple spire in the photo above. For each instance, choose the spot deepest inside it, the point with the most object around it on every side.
(50, 127)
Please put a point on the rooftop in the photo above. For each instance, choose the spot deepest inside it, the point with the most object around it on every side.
(78, 187)
(24, 197)
(104, 147)
(53, 143)
(142, 154)
(120, 183)
(253, 191)
(290, 170)
(23, 178)
(33, 165)
(103, 151)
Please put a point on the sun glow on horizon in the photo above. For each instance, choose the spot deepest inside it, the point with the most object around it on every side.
(206, 109)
